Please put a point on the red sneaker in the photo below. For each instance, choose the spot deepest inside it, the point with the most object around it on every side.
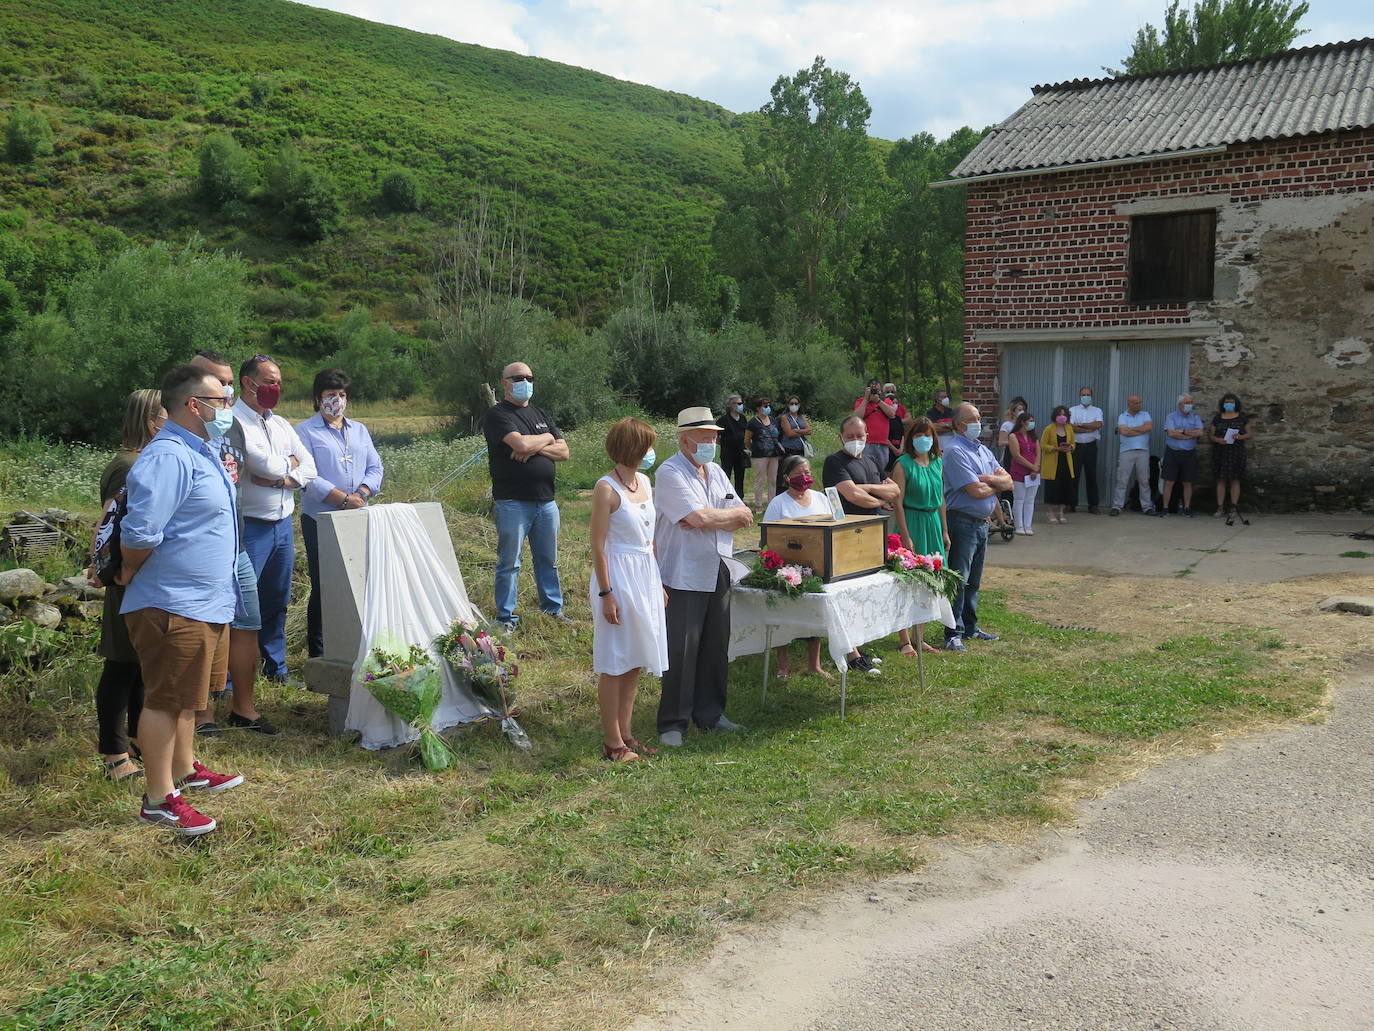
(175, 813)
(201, 779)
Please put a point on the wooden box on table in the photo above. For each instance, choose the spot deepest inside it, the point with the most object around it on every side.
(834, 549)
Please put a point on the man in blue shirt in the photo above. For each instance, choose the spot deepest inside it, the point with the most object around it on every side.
(1133, 426)
(179, 540)
(973, 479)
(1182, 428)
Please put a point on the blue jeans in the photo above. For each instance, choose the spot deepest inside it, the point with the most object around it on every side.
(271, 547)
(968, 545)
(537, 520)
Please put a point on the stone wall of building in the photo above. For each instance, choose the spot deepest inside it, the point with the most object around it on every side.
(1290, 327)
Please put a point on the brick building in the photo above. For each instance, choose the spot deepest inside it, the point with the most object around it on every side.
(1204, 230)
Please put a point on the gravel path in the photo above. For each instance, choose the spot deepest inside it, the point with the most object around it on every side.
(1232, 891)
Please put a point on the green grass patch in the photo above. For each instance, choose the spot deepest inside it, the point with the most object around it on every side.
(348, 889)
(1356, 554)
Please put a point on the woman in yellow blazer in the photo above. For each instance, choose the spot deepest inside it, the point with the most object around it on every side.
(1056, 465)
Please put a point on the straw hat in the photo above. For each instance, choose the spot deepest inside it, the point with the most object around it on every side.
(696, 419)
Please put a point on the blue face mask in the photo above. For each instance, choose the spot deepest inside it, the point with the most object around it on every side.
(1187, 409)
(221, 424)
(973, 430)
(522, 390)
(767, 409)
(1228, 406)
(922, 444)
(705, 452)
(739, 409)
(1030, 424)
(647, 462)
(1086, 400)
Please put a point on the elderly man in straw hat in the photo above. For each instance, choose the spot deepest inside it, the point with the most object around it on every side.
(698, 511)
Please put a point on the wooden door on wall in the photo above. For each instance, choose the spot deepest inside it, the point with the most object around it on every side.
(1047, 374)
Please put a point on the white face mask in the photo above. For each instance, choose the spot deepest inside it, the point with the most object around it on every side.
(854, 447)
(973, 430)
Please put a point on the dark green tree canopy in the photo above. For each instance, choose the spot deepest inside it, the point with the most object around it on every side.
(1211, 32)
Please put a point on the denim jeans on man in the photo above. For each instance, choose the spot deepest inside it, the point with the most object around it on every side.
(271, 546)
(968, 545)
(515, 521)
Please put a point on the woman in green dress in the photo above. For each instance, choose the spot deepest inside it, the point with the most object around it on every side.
(920, 474)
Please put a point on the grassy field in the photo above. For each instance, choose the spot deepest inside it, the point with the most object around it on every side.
(348, 889)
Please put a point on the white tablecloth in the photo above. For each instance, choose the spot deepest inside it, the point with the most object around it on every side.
(848, 613)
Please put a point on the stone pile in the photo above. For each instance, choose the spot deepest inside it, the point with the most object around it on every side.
(25, 595)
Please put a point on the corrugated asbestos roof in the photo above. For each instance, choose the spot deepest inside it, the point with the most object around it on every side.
(1295, 93)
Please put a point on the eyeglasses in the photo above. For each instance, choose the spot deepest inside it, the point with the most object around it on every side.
(521, 379)
(213, 402)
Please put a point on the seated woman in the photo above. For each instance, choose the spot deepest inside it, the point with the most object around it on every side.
(627, 595)
(798, 500)
(921, 515)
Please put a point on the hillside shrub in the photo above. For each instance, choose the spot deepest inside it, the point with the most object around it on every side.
(226, 170)
(306, 198)
(381, 362)
(27, 136)
(307, 339)
(401, 192)
(664, 360)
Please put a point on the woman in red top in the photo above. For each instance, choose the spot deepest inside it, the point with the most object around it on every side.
(1024, 446)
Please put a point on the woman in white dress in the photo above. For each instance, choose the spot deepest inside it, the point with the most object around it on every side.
(627, 595)
(797, 501)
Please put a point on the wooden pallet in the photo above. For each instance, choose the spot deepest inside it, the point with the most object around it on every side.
(30, 539)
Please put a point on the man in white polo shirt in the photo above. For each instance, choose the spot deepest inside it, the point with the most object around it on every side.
(698, 512)
(1087, 420)
(278, 465)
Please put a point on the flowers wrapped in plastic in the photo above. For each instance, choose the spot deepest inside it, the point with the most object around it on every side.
(488, 668)
(409, 686)
(929, 571)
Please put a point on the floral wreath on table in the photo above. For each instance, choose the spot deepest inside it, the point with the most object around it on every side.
(770, 573)
(929, 571)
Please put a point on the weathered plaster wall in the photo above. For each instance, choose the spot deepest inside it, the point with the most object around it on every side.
(1291, 325)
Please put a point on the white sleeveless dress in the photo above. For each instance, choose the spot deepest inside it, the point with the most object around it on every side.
(641, 639)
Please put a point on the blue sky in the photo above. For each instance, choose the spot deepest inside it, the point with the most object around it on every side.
(924, 66)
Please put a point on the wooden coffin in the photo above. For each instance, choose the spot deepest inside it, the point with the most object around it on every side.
(835, 550)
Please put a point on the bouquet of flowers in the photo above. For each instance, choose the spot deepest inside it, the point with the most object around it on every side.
(478, 656)
(407, 684)
(929, 571)
(770, 573)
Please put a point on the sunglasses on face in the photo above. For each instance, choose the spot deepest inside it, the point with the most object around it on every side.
(521, 379)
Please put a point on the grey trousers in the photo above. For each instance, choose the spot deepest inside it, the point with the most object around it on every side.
(1133, 465)
(698, 626)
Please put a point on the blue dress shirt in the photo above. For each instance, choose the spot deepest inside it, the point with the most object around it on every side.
(965, 460)
(181, 505)
(1176, 420)
(344, 458)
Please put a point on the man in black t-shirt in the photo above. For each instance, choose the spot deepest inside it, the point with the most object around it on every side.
(864, 489)
(523, 443)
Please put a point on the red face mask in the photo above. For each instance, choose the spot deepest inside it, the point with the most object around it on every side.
(802, 481)
(268, 395)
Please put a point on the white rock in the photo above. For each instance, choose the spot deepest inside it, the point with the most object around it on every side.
(42, 614)
(18, 584)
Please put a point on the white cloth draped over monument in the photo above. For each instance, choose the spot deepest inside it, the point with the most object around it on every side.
(410, 598)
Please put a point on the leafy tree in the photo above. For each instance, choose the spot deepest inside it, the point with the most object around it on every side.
(126, 323)
(378, 359)
(803, 210)
(307, 199)
(401, 192)
(27, 136)
(226, 171)
(1214, 31)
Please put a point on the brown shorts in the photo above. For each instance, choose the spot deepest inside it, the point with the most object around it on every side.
(181, 658)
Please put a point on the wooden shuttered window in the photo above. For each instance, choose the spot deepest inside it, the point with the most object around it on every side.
(1172, 257)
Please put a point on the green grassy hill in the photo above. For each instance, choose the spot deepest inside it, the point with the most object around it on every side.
(604, 170)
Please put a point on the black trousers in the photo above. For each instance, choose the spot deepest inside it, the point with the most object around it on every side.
(314, 622)
(118, 704)
(698, 628)
(1085, 461)
(734, 462)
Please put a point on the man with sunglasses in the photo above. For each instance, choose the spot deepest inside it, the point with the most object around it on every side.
(178, 541)
(523, 445)
(276, 465)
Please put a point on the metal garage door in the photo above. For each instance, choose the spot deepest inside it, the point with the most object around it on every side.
(1049, 374)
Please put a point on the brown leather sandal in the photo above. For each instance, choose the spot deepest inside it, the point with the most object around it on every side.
(640, 747)
(621, 754)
